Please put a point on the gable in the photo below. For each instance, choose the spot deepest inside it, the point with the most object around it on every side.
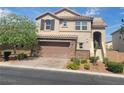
(66, 12)
(47, 15)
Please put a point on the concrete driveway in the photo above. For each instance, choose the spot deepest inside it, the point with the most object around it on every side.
(41, 62)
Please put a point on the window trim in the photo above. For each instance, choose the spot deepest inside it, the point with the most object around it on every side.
(48, 25)
(63, 22)
(81, 25)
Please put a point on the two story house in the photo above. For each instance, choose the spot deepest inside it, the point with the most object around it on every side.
(118, 41)
(66, 33)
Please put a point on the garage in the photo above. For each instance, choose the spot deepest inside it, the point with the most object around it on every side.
(56, 49)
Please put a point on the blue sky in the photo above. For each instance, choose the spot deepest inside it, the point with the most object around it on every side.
(111, 15)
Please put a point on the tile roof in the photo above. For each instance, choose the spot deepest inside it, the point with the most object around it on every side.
(75, 18)
(67, 9)
(98, 22)
(57, 36)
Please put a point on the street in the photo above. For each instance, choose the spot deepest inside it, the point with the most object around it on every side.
(24, 76)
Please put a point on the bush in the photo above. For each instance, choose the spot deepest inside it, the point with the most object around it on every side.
(21, 56)
(72, 59)
(87, 66)
(73, 66)
(83, 61)
(105, 60)
(6, 55)
(75, 60)
(115, 67)
(93, 59)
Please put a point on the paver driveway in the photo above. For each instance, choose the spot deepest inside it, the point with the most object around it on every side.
(41, 62)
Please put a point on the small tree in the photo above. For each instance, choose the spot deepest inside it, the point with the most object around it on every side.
(96, 46)
(122, 28)
(17, 31)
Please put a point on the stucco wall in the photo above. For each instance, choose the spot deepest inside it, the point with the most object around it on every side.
(64, 13)
(83, 53)
(118, 44)
(71, 26)
(115, 56)
(109, 45)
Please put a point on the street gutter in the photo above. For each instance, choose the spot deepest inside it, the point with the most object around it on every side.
(63, 70)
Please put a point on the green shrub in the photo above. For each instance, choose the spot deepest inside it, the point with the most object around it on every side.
(86, 66)
(105, 60)
(75, 60)
(83, 61)
(115, 67)
(21, 56)
(93, 59)
(72, 59)
(73, 66)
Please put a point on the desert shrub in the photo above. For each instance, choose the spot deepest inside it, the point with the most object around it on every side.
(93, 59)
(73, 66)
(86, 66)
(75, 60)
(72, 59)
(21, 56)
(115, 67)
(83, 61)
(105, 60)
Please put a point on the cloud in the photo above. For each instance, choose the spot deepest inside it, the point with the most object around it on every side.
(92, 11)
(4, 11)
(122, 12)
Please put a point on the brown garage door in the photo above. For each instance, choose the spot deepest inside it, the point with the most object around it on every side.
(55, 49)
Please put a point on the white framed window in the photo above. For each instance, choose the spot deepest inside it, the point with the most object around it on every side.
(84, 25)
(48, 24)
(64, 23)
(81, 25)
(78, 24)
(80, 45)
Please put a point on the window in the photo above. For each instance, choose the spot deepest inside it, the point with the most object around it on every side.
(81, 25)
(84, 25)
(64, 23)
(78, 24)
(48, 24)
(80, 45)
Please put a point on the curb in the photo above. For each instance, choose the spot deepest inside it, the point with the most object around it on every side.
(64, 70)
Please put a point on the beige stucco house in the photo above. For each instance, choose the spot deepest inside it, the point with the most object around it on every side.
(109, 45)
(66, 33)
(118, 41)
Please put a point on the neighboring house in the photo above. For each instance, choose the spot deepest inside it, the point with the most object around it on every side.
(118, 41)
(109, 45)
(66, 33)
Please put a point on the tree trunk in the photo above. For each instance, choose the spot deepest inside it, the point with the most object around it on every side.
(14, 50)
(94, 57)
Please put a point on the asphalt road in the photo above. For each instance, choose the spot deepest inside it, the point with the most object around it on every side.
(22, 76)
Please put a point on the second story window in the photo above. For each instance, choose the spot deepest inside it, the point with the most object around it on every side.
(48, 24)
(64, 23)
(81, 25)
(78, 25)
(84, 25)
